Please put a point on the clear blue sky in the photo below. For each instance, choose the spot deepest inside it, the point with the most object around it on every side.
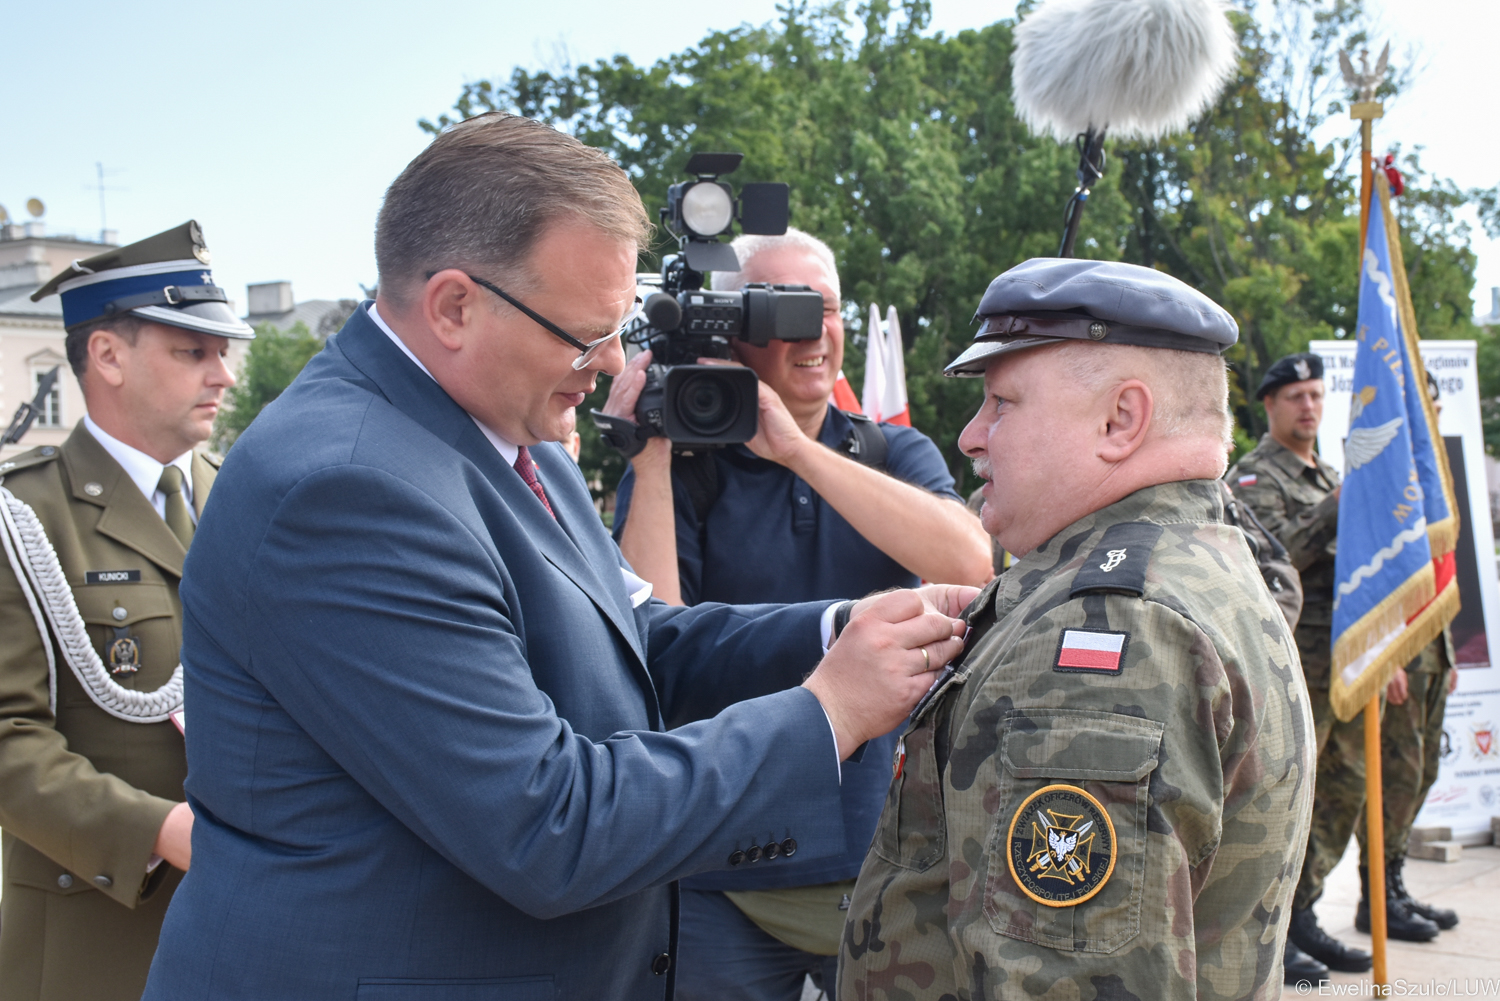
(278, 125)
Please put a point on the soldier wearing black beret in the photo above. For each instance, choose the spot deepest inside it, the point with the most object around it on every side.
(1294, 492)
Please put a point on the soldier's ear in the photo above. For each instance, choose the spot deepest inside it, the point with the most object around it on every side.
(1128, 410)
(104, 350)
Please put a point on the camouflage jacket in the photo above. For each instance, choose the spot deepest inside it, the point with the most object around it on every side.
(1299, 505)
(1275, 563)
(1109, 796)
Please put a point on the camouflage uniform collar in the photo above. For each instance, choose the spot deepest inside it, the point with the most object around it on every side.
(1193, 502)
(1290, 462)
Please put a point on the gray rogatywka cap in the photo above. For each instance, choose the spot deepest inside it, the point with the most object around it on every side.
(1050, 299)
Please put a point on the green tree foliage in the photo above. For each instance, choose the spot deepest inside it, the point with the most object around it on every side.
(903, 153)
(273, 361)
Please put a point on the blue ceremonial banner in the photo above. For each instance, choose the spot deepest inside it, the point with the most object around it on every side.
(1394, 586)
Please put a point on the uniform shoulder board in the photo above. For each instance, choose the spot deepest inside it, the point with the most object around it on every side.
(212, 458)
(1119, 561)
(26, 460)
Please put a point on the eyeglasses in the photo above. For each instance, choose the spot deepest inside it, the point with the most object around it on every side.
(588, 351)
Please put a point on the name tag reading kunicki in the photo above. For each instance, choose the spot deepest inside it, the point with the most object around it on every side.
(112, 577)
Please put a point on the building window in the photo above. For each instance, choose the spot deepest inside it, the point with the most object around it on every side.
(50, 414)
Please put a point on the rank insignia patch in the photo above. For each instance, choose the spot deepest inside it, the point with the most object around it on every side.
(1061, 846)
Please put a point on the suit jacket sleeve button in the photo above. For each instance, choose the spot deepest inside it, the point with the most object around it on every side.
(65, 881)
(772, 849)
(752, 854)
(661, 964)
(789, 847)
(736, 857)
(104, 882)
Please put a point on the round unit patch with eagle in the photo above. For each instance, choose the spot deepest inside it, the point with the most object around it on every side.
(1061, 846)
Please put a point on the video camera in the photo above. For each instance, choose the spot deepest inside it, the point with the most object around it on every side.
(694, 404)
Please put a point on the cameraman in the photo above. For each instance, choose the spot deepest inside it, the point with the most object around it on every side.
(788, 517)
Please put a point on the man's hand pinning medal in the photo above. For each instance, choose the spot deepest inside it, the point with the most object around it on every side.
(873, 674)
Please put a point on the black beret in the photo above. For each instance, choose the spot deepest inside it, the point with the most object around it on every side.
(1292, 368)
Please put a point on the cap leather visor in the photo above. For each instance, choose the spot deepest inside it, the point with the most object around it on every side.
(205, 317)
(977, 355)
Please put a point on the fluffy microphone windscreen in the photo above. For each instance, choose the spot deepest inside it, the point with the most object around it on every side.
(1140, 68)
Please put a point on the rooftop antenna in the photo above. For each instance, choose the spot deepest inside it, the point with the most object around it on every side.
(101, 188)
(35, 207)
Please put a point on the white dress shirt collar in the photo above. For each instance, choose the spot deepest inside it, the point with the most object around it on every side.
(507, 451)
(144, 471)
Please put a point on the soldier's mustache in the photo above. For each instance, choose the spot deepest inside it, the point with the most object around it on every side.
(982, 468)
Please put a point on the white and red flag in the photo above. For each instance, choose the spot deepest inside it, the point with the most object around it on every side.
(843, 395)
(885, 371)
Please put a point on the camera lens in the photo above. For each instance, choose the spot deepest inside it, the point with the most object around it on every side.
(706, 405)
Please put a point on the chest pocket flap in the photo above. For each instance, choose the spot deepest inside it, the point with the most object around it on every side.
(136, 602)
(1067, 856)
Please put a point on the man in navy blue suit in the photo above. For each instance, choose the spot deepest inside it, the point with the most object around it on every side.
(427, 754)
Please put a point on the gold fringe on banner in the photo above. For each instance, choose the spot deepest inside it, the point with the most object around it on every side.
(1442, 536)
(1394, 642)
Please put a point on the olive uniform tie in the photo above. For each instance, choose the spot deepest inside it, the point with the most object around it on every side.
(179, 520)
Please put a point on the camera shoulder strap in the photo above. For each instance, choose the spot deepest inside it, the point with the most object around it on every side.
(866, 444)
(700, 475)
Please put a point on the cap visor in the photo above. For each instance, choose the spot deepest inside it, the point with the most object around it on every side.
(205, 317)
(978, 355)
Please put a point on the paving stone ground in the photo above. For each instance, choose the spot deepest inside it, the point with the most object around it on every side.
(1463, 963)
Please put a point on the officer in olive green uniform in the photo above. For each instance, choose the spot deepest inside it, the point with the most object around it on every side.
(91, 763)
(1107, 796)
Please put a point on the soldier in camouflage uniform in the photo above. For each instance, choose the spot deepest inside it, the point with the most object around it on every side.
(1294, 492)
(1411, 733)
(1108, 795)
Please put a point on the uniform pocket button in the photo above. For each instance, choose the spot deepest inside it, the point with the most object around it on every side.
(661, 964)
(789, 847)
(752, 854)
(104, 882)
(772, 849)
(65, 881)
(736, 857)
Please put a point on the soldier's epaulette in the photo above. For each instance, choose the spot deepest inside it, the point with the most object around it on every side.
(1118, 563)
(26, 460)
(212, 458)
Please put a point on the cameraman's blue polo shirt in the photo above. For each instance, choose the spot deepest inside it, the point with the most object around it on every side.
(771, 538)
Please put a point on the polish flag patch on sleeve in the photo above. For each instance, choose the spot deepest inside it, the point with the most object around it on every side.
(1248, 480)
(1091, 650)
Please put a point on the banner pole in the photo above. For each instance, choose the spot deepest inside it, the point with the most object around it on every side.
(1366, 112)
(1375, 840)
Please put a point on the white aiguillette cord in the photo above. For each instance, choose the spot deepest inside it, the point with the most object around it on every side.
(47, 592)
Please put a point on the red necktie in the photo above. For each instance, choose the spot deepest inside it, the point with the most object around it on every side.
(527, 469)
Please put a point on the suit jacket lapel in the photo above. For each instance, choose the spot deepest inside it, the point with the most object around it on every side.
(204, 473)
(127, 516)
(419, 397)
